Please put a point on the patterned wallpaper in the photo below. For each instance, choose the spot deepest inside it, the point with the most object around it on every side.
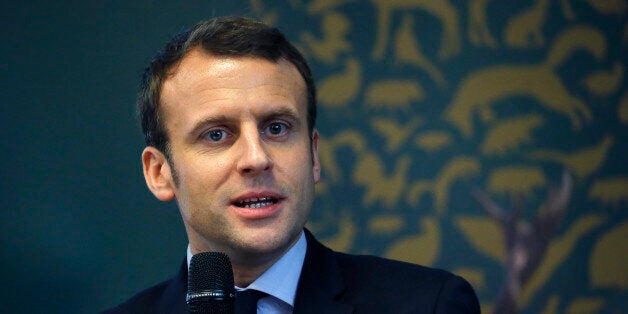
(485, 137)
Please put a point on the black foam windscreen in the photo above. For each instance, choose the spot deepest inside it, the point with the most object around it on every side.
(210, 284)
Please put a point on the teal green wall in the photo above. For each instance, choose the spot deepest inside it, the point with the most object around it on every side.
(408, 128)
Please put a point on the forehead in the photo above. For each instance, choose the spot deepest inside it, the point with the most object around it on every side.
(201, 74)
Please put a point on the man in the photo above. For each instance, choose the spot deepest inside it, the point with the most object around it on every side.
(228, 110)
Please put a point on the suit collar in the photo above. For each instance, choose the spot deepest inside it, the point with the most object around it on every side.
(320, 287)
(321, 284)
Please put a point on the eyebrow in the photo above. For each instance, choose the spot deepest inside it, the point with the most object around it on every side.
(209, 120)
(282, 112)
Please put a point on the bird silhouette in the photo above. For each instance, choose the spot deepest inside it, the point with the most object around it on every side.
(441, 9)
(409, 51)
(422, 248)
(610, 191)
(516, 180)
(605, 83)
(457, 169)
(510, 134)
(584, 162)
(395, 133)
(340, 89)
(350, 139)
(335, 29)
(342, 240)
(370, 172)
(526, 29)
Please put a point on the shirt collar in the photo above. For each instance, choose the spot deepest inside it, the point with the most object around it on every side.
(282, 278)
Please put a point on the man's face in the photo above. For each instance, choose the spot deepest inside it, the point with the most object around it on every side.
(239, 140)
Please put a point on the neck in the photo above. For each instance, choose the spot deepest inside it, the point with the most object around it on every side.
(245, 274)
(247, 266)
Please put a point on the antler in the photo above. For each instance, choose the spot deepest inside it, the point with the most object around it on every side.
(526, 243)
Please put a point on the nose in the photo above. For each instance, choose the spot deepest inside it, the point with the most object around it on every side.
(254, 158)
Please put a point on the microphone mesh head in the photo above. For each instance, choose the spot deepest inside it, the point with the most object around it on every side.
(210, 284)
(210, 271)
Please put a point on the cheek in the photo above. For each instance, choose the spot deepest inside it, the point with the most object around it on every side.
(299, 168)
(196, 184)
(204, 171)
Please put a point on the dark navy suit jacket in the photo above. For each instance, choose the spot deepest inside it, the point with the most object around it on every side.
(333, 282)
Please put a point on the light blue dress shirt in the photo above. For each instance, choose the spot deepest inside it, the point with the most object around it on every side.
(279, 281)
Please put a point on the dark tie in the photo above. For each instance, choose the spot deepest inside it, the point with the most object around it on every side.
(246, 301)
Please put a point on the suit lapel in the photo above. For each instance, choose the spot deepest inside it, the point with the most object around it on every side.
(321, 283)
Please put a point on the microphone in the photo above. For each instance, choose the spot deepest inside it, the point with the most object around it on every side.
(210, 284)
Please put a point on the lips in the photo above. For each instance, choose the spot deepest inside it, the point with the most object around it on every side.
(258, 205)
(256, 202)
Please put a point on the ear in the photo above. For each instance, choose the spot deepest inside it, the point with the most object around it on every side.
(158, 174)
(316, 165)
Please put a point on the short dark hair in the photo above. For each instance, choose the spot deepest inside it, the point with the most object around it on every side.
(222, 36)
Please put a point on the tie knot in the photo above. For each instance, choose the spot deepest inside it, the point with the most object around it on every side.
(246, 301)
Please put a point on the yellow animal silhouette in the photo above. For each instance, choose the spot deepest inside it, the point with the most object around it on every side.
(370, 172)
(422, 248)
(622, 109)
(335, 29)
(319, 6)
(610, 191)
(582, 305)
(605, 83)
(397, 94)
(441, 9)
(516, 180)
(584, 162)
(482, 88)
(567, 10)
(510, 134)
(434, 140)
(327, 149)
(484, 234)
(526, 29)
(616, 7)
(457, 169)
(347, 230)
(478, 31)
(607, 267)
(408, 51)
(258, 9)
(340, 89)
(385, 224)
(395, 134)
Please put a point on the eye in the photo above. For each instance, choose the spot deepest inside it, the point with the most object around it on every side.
(276, 128)
(215, 135)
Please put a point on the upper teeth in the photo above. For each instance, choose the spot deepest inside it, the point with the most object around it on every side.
(256, 202)
(255, 199)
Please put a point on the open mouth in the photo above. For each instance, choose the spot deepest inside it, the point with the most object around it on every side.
(256, 202)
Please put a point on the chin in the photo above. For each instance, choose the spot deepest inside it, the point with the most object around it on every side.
(268, 241)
